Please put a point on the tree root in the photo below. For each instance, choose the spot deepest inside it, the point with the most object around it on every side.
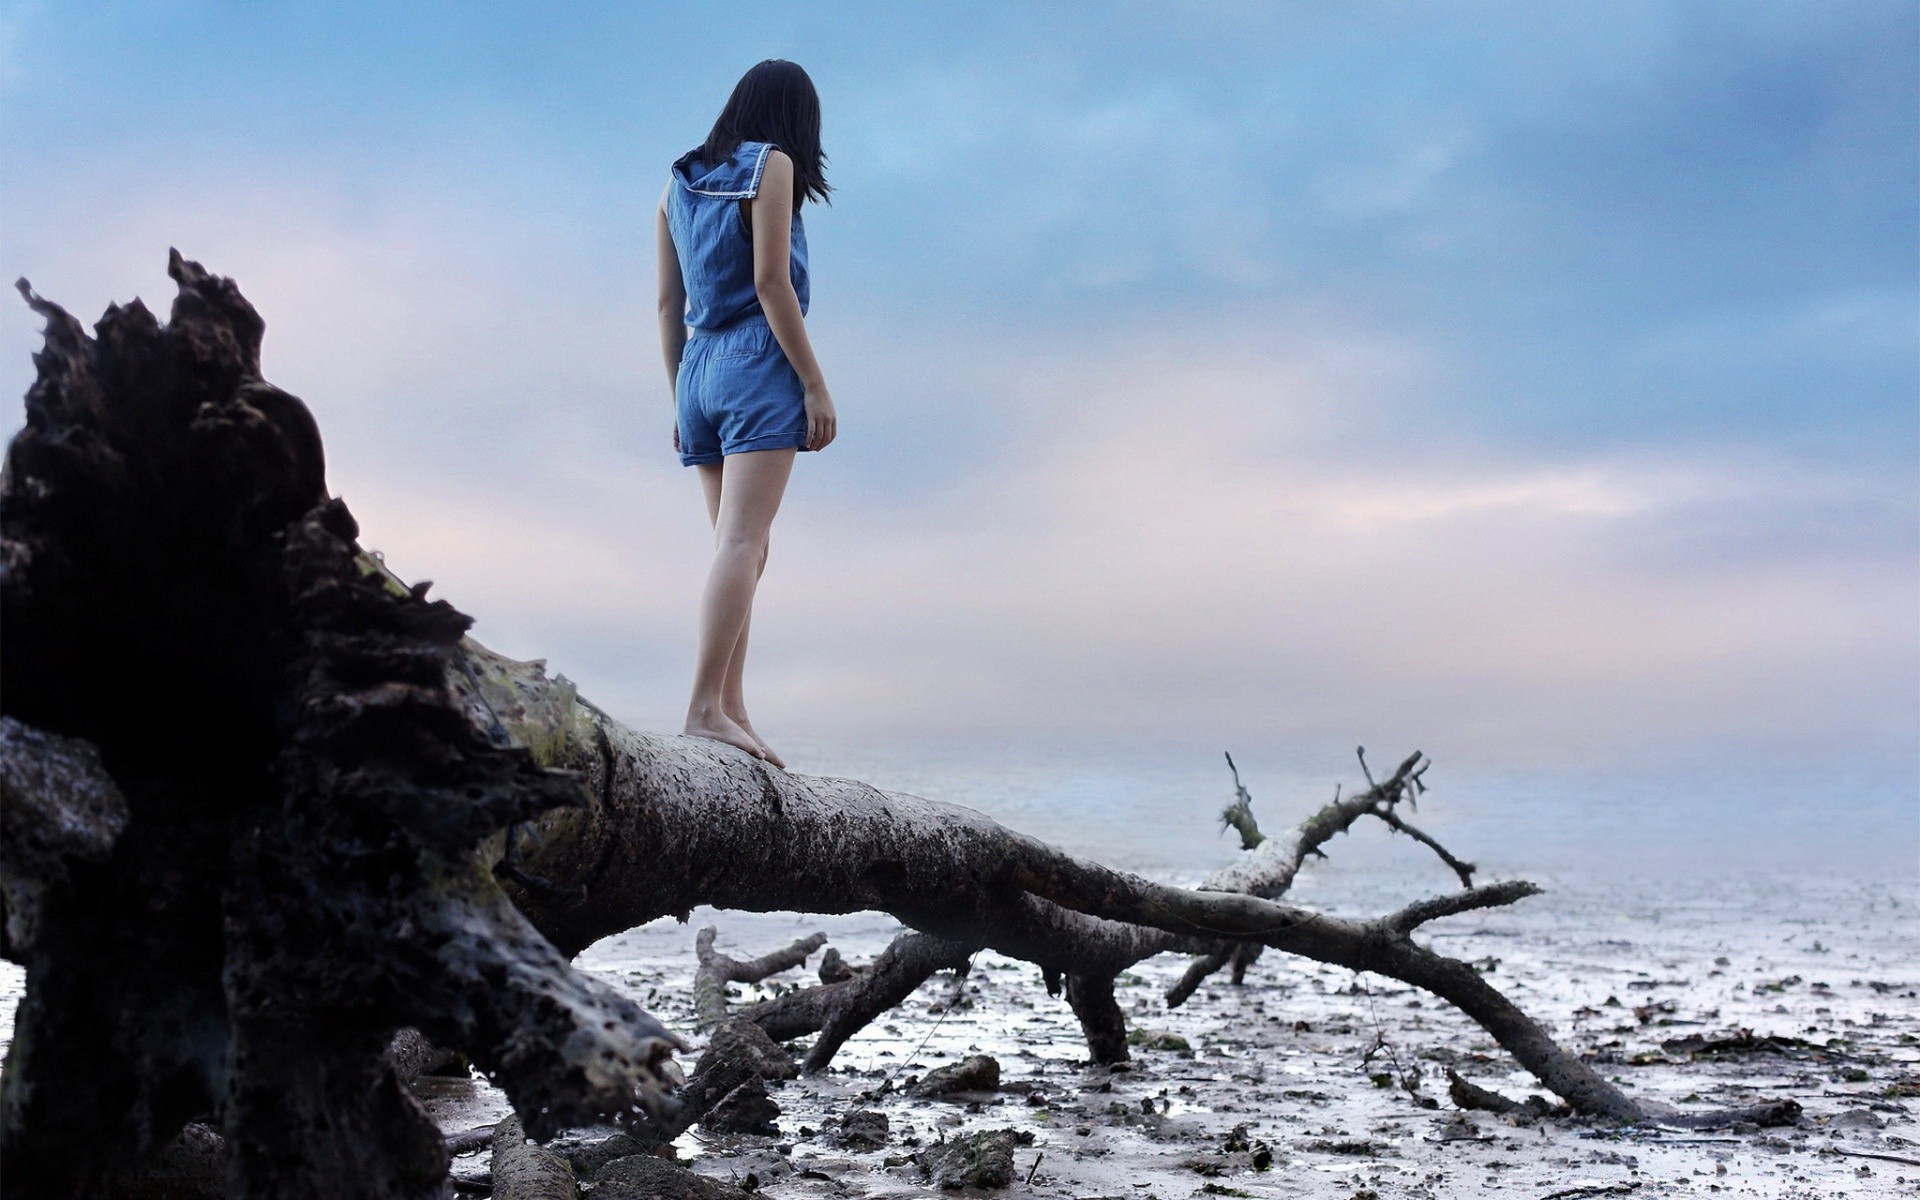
(295, 867)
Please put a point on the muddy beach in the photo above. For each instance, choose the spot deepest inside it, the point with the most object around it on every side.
(1309, 1081)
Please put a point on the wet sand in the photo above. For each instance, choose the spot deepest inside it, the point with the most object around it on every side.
(1825, 976)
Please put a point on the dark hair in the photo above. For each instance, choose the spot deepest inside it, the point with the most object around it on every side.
(774, 102)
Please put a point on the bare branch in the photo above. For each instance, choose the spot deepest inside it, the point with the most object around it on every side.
(1464, 870)
(1491, 896)
(717, 970)
(1238, 816)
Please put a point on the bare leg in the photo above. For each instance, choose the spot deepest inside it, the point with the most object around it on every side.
(733, 700)
(751, 486)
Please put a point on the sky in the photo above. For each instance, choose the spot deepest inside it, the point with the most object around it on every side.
(1535, 383)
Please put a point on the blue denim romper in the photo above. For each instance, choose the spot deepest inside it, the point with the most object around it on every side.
(735, 391)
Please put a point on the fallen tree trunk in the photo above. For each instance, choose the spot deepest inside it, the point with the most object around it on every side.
(319, 814)
(678, 822)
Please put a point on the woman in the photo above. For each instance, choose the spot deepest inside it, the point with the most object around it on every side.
(748, 392)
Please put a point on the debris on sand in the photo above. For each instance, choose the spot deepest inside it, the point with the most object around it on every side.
(975, 1073)
(745, 1109)
(1742, 1041)
(862, 1129)
(645, 1177)
(978, 1160)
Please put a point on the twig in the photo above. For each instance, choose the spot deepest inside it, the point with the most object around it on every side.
(1409, 1083)
(1464, 870)
(1892, 1158)
(1594, 1189)
(469, 1141)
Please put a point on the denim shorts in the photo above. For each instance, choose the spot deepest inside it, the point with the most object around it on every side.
(737, 392)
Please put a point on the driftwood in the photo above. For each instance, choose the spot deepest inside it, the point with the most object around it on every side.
(277, 807)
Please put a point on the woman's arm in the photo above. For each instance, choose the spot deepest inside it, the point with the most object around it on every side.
(672, 302)
(772, 214)
(673, 293)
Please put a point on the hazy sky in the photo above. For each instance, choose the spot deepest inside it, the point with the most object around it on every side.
(1533, 382)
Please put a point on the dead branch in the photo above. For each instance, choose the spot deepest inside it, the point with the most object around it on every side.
(716, 971)
(848, 1000)
(839, 1010)
(1392, 819)
(1492, 896)
(1270, 870)
(1465, 1094)
(1238, 816)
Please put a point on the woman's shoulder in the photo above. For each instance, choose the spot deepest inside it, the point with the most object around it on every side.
(737, 175)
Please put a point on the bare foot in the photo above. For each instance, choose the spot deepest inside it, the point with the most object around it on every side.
(722, 728)
(740, 719)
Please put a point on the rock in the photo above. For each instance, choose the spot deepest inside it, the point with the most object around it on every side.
(743, 1042)
(590, 1149)
(861, 1130)
(644, 1177)
(833, 968)
(193, 1166)
(975, 1073)
(745, 1109)
(412, 1056)
(1856, 1118)
(979, 1160)
(1210, 1165)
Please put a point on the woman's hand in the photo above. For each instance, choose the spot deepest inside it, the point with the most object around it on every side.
(822, 424)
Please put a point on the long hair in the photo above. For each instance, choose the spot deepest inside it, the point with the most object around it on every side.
(774, 102)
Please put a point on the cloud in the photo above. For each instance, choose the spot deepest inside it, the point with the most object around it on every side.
(1211, 514)
(1177, 552)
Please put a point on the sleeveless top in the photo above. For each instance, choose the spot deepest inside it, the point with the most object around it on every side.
(712, 239)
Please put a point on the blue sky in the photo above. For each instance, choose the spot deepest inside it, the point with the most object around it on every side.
(1534, 380)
